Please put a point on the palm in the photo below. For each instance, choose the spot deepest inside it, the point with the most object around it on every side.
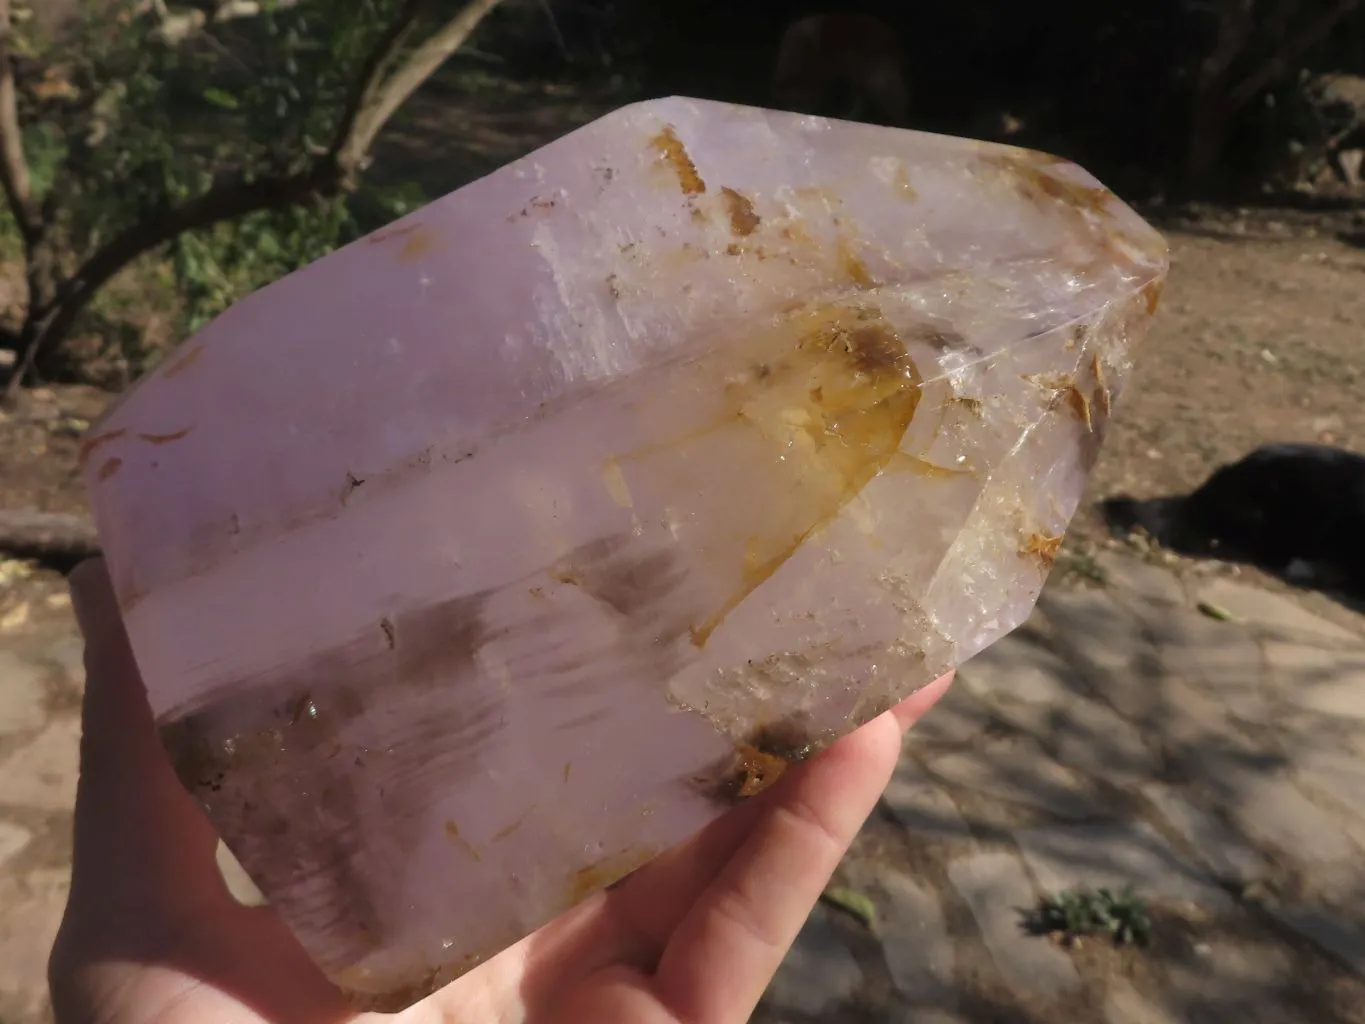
(152, 935)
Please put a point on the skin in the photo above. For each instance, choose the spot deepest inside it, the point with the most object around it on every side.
(152, 936)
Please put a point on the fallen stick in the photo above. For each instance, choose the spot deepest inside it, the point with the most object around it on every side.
(57, 540)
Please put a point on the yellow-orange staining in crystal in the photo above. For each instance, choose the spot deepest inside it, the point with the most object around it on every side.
(595, 877)
(614, 479)
(1035, 176)
(758, 761)
(1151, 294)
(853, 266)
(416, 245)
(93, 444)
(905, 463)
(756, 771)
(460, 842)
(1064, 392)
(508, 830)
(674, 155)
(832, 392)
(165, 438)
(900, 181)
(1102, 399)
(1043, 547)
(740, 209)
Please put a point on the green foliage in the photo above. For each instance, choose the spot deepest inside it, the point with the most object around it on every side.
(1072, 914)
(217, 266)
(852, 902)
(152, 123)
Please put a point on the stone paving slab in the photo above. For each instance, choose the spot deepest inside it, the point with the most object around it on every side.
(23, 692)
(1021, 669)
(1124, 1005)
(1093, 737)
(1215, 843)
(921, 806)
(1274, 612)
(1120, 737)
(914, 937)
(819, 973)
(1129, 578)
(1274, 813)
(32, 911)
(1096, 633)
(1017, 771)
(999, 894)
(1320, 680)
(1327, 927)
(1113, 855)
(13, 838)
(42, 774)
(1338, 775)
(959, 719)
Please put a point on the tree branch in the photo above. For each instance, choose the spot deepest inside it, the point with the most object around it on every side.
(1253, 84)
(53, 538)
(373, 72)
(14, 176)
(328, 175)
(1234, 26)
(226, 200)
(379, 97)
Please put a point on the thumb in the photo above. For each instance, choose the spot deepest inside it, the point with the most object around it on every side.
(141, 844)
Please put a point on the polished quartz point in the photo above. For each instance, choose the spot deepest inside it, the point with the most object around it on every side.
(475, 564)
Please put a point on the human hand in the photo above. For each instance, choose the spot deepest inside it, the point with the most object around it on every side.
(151, 934)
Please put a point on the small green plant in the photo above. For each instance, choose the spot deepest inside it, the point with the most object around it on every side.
(1073, 914)
(857, 905)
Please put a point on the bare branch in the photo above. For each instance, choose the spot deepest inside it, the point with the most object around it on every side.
(1234, 28)
(231, 199)
(1279, 62)
(223, 201)
(378, 97)
(374, 71)
(53, 538)
(14, 176)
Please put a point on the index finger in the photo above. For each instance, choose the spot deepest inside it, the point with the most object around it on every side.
(730, 944)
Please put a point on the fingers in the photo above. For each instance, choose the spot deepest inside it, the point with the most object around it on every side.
(632, 925)
(655, 899)
(729, 945)
(914, 707)
(140, 841)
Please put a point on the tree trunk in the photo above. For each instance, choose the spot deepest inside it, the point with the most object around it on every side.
(33, 339)
(1208, 128)
(56, 539)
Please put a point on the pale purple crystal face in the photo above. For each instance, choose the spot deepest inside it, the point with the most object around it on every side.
(475, 564)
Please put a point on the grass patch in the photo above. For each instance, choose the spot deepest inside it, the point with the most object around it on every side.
(1072, 915)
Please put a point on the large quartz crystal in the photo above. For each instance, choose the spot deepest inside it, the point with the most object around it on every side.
(475, 564)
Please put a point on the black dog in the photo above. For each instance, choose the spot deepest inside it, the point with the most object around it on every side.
(1294, 510)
